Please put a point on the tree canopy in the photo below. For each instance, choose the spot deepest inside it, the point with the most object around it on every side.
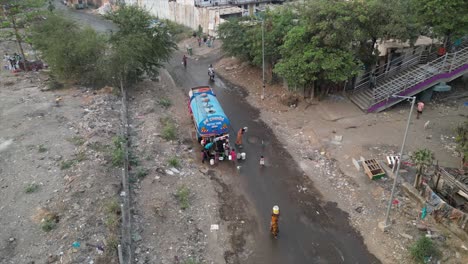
(139, 47)
(71, 52)
(19, 14)
(324, 41)
(447, 19)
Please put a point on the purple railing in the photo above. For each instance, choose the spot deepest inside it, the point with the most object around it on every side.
(420, 86)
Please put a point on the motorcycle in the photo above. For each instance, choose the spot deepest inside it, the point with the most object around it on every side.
(211, 73)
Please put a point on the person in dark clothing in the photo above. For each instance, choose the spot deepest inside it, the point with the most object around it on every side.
(204, 156)
(184, 61)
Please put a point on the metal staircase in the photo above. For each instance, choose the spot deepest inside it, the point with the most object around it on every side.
(408, 79)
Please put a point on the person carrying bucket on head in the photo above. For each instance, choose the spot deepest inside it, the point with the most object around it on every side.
(274, 229)
(240, 134)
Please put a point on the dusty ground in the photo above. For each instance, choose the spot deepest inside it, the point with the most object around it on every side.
(165, 231)
(53, 161)
(309, 132)
(38, 141)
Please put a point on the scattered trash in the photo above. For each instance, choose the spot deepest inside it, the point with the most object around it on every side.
(426, 125)
(421, 226)
(424, 213)
(406, 236)
(76, 244)
(52, 258)
(136, 237)
(301, 189)
(214, 227)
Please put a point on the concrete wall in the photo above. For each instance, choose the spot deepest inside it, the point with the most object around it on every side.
(183, 12)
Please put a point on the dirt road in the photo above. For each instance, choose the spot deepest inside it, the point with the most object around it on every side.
(312, 230)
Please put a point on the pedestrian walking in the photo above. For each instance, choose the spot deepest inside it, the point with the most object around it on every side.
(199, 42)
(274, 228)
(240, 134)
(420, 108)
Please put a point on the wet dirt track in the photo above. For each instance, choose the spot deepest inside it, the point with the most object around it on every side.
(311, 230)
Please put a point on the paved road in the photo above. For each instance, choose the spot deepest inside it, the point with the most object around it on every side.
(84, 17)
(311, 230)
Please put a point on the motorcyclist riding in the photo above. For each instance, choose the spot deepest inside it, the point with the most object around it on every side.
(211, 72)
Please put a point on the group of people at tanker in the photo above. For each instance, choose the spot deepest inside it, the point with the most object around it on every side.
(219, 148)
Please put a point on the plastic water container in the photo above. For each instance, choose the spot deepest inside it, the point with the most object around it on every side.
(211, 161)
(243, 155)
(230, 157)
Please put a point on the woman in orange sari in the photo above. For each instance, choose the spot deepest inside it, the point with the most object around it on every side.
(240, 133)
(274, 229)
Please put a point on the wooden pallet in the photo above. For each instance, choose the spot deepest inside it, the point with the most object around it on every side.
(373, 169)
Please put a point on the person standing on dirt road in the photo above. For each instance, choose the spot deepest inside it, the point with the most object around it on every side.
(240, 134)
(204, 156)
(184, 61)
(420, 109)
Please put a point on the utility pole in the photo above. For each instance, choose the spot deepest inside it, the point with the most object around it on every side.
(263, 58)
(385, 225)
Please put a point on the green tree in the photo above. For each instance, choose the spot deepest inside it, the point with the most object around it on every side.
(71, 52)
(139, 47)
(422, 158)
(18, 14)
(318, 51)
(447, 19)
(381, 20)
(242, 37)
(277, 24)
(462, 142)
(236, 34)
